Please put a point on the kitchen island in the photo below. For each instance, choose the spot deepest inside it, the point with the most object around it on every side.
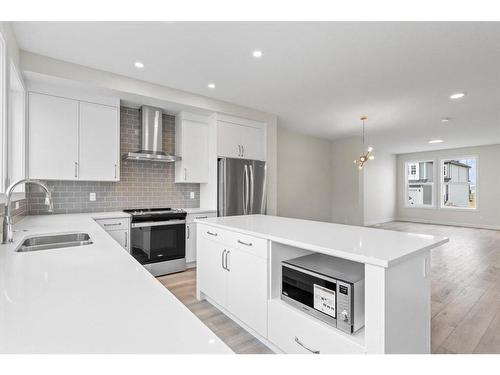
(239, 270)
(89, 299)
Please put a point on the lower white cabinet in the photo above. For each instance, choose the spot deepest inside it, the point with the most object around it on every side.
(247, 289)
(118, 228)
(234, 278)
(294, 332)
(191, 234)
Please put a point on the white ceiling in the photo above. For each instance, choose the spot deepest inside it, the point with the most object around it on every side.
(319, 78)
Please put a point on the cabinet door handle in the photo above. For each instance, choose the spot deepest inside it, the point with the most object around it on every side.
(112, 224)
(76, 169)
(212, 233)
(187, 228)
(126, 239)
(297, 340)
(242, 150)
(115, 171)
(245, 243)
(201, 217)
(223, 257)
(239, 150)
(185, 174)
(227, 261)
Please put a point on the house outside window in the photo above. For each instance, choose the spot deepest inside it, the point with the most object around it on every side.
(419, 181)
(459, 183)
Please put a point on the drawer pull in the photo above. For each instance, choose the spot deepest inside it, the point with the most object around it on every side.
(211, 233)
(112, 224)
(297, 340)
(245, 243)
(201, 217)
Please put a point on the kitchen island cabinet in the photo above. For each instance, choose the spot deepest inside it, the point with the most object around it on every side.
(396, 276)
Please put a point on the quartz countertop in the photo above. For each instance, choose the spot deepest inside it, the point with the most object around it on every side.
(361, 244)
(89, 299)
(199, 210)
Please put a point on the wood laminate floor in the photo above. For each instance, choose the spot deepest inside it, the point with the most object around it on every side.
(465, 294)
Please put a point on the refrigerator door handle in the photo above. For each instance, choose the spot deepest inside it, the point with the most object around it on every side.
(245, 190)
(252, 187)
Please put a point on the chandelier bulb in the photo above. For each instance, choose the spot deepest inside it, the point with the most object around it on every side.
(371, 157)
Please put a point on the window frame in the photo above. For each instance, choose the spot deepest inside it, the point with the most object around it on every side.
(3, 116)
(432, 184)
(442, 183)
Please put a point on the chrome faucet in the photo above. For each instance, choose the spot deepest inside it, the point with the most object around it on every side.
(8, 226)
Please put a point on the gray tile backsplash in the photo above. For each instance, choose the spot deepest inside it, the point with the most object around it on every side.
(142, 184)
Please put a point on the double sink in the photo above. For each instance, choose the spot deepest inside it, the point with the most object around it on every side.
(54, 241)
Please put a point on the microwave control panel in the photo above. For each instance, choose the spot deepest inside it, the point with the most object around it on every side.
(344, 303)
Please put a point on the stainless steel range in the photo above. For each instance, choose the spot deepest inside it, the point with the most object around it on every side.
(158, 238)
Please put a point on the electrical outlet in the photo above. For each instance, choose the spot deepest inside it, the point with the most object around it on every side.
(191, 195)
(92, 197)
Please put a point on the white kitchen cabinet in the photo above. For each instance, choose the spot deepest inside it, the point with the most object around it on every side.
(71, 139)
(118, 228)
(211, 272)
(53, 137)
(121, 236)
(99, 143)
(239, 138)
(191, 234)
(248, 300)
(234, 277)
(191, 144)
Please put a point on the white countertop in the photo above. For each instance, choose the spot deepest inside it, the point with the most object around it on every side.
(361, 244)
(89, 299)
(199, 210)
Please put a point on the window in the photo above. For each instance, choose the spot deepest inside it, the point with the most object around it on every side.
(419, 180)
(459, 183)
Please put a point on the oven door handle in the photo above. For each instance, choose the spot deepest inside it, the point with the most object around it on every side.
(157, 223)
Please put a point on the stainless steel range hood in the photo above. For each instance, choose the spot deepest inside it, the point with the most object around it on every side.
(151, 144)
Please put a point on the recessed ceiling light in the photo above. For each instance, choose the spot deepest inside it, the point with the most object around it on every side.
(436, 141)
(211, 86)
(445, 119)
(139, 65)
(458, 95)
(257, 54)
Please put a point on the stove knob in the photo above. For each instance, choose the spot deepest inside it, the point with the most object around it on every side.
(345, 316)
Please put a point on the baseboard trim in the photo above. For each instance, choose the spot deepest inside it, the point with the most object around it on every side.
(378, 221)
(453, 224)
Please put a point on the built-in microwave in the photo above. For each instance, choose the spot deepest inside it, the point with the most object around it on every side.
(328, 288)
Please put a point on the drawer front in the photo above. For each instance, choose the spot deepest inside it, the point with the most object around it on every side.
(205, 215)
(235, 240)
(253, 245)
(296, 333)
(114, 224)
(211, 233)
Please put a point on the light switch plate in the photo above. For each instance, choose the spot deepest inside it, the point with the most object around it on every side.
(191, 195)
(92, 197)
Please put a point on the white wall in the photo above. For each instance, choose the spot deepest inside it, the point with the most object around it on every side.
(347, 188)
(487, 214)
(379, 188)
(304, 176)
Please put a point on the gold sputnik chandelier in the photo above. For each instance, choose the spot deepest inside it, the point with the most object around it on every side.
(363, 158)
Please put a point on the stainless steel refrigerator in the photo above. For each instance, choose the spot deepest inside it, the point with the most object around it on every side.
(241, 187)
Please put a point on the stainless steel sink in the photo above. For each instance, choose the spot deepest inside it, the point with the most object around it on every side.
(54, 241)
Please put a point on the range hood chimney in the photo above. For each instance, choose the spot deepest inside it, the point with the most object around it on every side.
(151, 142)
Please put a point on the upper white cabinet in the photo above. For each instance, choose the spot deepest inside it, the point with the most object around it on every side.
(240, 138)
(99, 142)
(191, 144)
(71, 139)
(53, 137)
